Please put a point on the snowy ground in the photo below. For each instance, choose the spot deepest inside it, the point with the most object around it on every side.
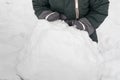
(17, 21)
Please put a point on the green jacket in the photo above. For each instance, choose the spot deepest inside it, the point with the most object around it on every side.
(94, 10)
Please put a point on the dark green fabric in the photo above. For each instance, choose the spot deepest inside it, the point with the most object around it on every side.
(94, 37)
(94, 10)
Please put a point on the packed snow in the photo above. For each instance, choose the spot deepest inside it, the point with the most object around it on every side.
(59, 52)
(42, 50)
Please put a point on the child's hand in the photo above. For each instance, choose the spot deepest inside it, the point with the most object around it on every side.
(49, 15)
(84, 24)
(81, 24)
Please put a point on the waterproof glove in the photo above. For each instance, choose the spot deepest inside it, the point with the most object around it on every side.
(49, 15)
(84, 24)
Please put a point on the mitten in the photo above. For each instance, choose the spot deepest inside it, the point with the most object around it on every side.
(49, 15)
(84, 24)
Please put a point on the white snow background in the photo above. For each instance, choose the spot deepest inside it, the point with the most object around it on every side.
(75, 56)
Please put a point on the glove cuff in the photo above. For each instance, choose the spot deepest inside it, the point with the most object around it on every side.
(83, 26)
(88, 27)
(49, 15)
(44, 14)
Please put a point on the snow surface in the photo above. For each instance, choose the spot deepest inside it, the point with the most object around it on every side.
(18, 29)
(59, 52)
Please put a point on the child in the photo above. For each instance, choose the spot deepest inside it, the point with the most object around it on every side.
(87, 15)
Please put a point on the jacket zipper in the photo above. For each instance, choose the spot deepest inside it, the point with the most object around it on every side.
(76, 9)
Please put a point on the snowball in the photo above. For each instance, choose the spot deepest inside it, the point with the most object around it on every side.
(59, 52)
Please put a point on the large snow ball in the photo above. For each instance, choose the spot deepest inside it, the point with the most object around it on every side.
(59, 52)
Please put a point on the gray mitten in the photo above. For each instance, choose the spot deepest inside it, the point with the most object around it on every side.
(49, 15)
(84, 24)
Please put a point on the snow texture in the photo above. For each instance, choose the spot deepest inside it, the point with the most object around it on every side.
(22, 38)
(59, 52)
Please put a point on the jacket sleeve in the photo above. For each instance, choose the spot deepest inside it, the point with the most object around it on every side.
(98, 12)
(40, 5)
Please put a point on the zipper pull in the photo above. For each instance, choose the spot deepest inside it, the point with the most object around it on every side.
(77, 9)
